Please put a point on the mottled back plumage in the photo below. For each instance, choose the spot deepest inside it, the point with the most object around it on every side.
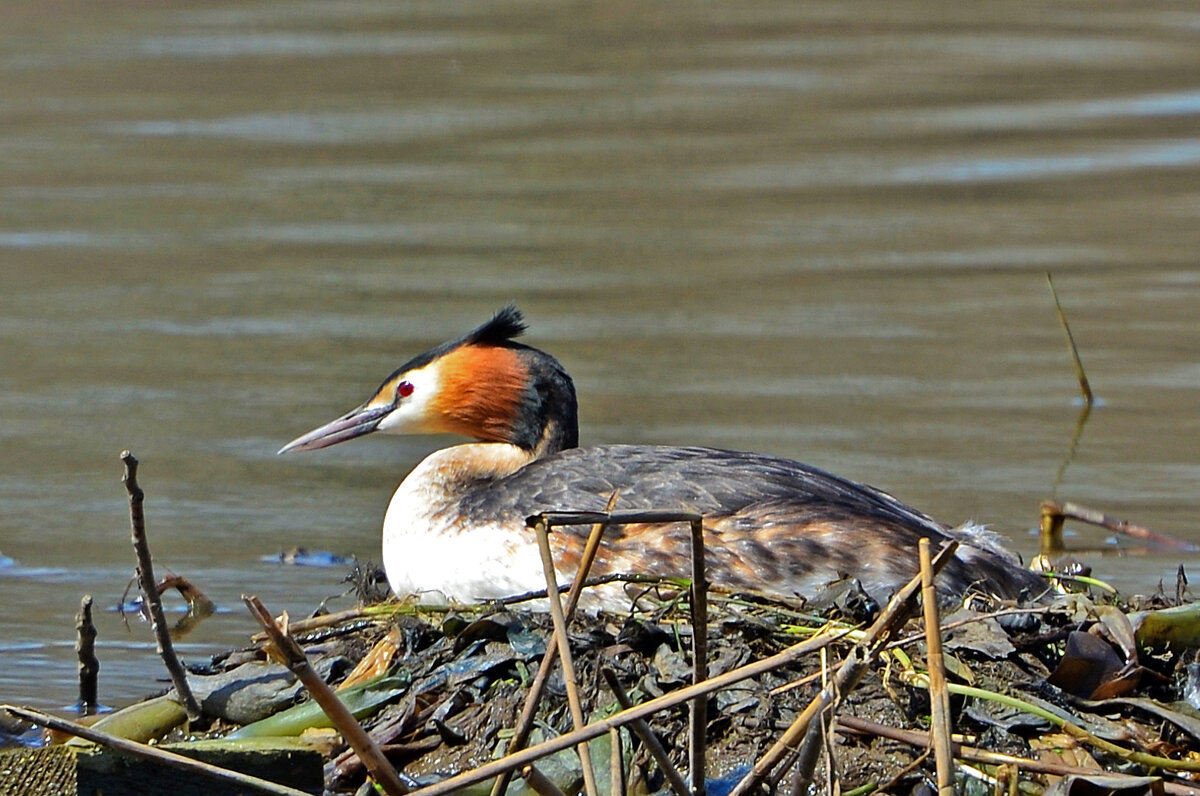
(772, 524)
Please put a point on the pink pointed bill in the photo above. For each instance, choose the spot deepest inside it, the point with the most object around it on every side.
(355, 423)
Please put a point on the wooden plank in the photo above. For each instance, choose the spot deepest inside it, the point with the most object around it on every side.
(92, 771)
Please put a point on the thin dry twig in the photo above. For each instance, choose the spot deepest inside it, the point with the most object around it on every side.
(292, 656)
(1080, 374)
(616, 762)
(810, 750)
(1085, 388)
(852, 670)
(158, 619)
(538, 686)
(698, 717)
(893, 784)
(981, 617)
(832, 784)
(367, 612)
(564, 654)
(85, 651)
(162, 756)
(647, 736)
(541, 784)
(523, 757)
(939, 697)
(348, 762)
(921, 739)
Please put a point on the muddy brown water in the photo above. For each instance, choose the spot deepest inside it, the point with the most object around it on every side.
(818, 230)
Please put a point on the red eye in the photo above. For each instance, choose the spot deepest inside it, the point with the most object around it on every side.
(404, 389)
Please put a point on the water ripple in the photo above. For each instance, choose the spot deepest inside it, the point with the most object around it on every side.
(331, 127)
(309, 44)
(1041, 115)
(863, 171)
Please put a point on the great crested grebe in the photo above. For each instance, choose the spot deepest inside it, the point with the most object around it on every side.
(456, 525)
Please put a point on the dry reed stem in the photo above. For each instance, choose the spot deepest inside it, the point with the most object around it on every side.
(616, 760)
(348, 762)
(538, 686)
(145, 571)
(805, 759)
(1084, 388)
(541, 784)
(523, 757)
(286, 648)
(904, 642)
(161, 756)
(897, 612)
(564, 653)
(921, 739)
(698, 717)
(647, 736)
(939, 697)
(1080, 374)
(318, 622)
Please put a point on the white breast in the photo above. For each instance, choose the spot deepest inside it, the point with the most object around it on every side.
(429, 552)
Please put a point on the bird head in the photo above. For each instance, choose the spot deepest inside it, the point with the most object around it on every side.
(482, 385)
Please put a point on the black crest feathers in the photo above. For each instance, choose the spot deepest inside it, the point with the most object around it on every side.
(504, 326)
(500, 330)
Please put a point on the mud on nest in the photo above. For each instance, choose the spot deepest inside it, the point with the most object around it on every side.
(467, 674)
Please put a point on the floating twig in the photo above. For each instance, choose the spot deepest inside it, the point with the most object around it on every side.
(162, 756)
(1051, 544)
(939, 697)
(199, 606)
(1074, 511)
(291, 655)
(158, 619)
(85, 651)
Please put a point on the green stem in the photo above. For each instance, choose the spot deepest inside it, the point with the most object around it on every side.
(1074, 730)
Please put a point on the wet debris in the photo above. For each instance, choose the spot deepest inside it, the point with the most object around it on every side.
(303, 557)
(440, 692)
(455, 682)
(255, 690)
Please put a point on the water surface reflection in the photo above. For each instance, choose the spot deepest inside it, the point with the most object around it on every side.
(816, 230)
